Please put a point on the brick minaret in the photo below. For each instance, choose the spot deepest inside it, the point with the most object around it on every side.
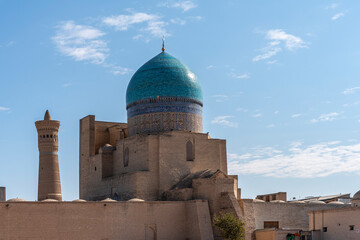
(49, 174)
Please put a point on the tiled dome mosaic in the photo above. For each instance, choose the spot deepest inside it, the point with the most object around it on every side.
(163, 76)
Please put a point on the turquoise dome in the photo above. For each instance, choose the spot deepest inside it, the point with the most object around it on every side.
(163, 76)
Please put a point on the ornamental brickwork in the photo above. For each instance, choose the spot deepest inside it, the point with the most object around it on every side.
(164, 121)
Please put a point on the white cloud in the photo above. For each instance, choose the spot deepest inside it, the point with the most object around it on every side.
(220, 98)
(328, 117)
(296, 115)
(350, 90)
(123, 22)
(184, 5)
(276, 112)
(223, 121)
(276, 38)
(318, 160)
(4, 108)
(117, 70)
(82, 43)
(271, 62)
(196, 18)
(291, 42)
(239, 76)
(338, 15)
(269, 52)
(332, 6)
(67, 85)
(178, 21)
(270, 126)
(241, 110)
(153, 23)
(256, 115)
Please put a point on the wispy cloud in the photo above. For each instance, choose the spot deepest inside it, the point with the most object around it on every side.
(278, 40)
(220, 98)
(239, 76)
(351, 90)
(7, 44)
(269, 52)
(338, 15)
(328, 117)
(296, 115)
(223, 121)
(4, 108)
(256, 115)
(332, 6)
(318, 160)
(179, 21)
(65, 85)
(270, 126)
(117, 70)
(184, 5)
(271, 62)
(81, 42)
(84, 43)
(153, 23)
(241, 110)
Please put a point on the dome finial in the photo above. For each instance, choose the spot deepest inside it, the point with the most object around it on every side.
(163, 45)
(47, 115)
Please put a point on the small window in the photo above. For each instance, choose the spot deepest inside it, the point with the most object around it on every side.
(324, 229)
(95, 169)
(189, 151)
(126, 157)
(351, 228)
(271, 224)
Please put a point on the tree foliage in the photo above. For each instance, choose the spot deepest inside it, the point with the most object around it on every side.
(230, 226)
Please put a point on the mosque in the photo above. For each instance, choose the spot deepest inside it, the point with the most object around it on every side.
(158, 176)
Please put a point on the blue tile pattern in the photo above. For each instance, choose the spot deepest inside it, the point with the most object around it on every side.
(163, 76)
(152, 107)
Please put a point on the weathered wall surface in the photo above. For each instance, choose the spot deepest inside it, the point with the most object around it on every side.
(209, 154)
(289, 215)
(105, 220)
(337, 222)
(155, 162)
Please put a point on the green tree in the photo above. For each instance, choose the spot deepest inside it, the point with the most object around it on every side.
(230, 226)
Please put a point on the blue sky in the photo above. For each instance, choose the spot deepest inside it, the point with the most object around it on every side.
(280, 82)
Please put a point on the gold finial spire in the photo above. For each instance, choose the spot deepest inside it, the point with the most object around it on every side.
(163, 45)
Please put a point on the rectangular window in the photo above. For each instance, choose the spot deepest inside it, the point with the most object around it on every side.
(351, 228)
(324, 229)
(271, 224)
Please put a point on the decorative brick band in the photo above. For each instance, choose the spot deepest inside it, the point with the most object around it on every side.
(48, 153)
(164, 121)
(164, 100)
(153, 107)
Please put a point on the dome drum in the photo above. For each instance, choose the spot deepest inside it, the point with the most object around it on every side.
(164, 121)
